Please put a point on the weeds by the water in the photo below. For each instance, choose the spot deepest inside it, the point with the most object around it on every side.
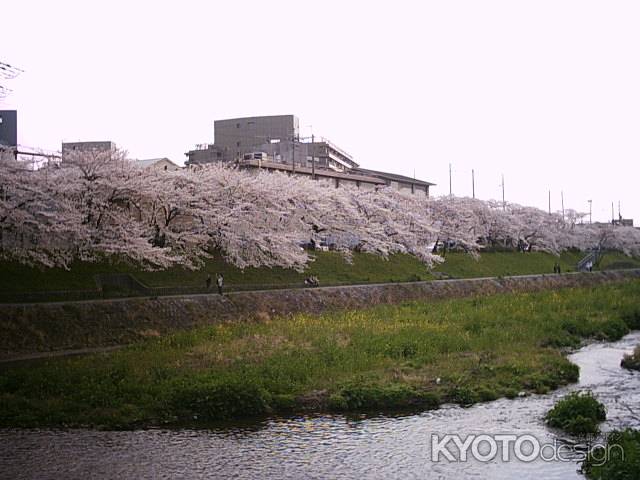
(417, 355)
(618, 459)
(579, 413)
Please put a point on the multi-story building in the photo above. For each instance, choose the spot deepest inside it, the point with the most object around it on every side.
(274, 143)
(101, 146)
(238, 136)
(9, 128)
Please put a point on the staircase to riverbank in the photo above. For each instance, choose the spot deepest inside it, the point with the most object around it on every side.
(592, 257)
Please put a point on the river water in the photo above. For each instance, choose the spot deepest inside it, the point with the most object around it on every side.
(334, 446)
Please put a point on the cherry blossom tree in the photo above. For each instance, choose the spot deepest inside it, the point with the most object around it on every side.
(97, 205)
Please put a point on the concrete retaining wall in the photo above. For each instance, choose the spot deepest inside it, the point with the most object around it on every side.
(28, 328)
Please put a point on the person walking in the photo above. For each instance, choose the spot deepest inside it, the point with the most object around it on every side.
(219, 282)
(208, 281)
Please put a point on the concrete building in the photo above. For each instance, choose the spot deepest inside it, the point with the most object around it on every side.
(157, 164)
(233, 138)
(237, 136)
(100, 146)
(321, 174)
(9, 128)
(399, 182)
(274, 143)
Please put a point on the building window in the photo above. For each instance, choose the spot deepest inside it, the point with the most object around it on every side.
(165, 167)
(237, 125)
(237, 144)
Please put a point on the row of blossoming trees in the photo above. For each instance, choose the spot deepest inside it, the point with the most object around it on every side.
(100, 205)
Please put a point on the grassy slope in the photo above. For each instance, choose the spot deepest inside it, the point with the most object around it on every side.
(493, 264)
(380, 358)
(330, 268)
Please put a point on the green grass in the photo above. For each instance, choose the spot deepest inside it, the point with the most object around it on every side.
(415, 355)
(495, 264)
(618, 459)
(616, 260)
(579, 413)
(329, 267)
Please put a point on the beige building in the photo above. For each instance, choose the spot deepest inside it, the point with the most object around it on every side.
(158, 164)
(99, 146)
(273, 143)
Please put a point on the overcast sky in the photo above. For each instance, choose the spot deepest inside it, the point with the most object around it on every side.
(546, 92)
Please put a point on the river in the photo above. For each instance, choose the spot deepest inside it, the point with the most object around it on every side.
(332, 446)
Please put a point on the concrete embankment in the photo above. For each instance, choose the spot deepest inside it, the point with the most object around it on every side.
(42, 327)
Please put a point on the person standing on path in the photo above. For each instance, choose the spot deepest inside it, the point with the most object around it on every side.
(208, 281)
(219, 282)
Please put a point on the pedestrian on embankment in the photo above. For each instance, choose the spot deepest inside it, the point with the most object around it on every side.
(219, 282)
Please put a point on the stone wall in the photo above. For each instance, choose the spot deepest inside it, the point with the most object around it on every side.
(37, 327)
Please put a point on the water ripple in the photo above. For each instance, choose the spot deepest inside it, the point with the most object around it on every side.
(326, 446)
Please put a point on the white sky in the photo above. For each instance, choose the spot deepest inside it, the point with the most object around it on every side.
(546, 92)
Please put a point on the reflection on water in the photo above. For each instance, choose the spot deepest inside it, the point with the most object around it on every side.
(326, 446)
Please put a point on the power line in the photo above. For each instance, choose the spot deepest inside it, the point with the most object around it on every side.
(7, 72)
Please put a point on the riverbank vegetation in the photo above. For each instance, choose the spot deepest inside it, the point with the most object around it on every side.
(617, 459)
(330, 268)
(411, 356)
(579, 413)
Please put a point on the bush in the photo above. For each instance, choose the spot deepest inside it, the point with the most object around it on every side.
(619, 459)
(631, 317)
(463, 396)
(613, 329)
(372, 397)
(211, 401)
(632, 362)
(578, 413)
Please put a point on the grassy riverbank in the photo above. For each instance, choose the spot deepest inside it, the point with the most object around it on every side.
(415, 356)
(330, 267)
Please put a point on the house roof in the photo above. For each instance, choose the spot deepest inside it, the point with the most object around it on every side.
(391, 176)
(152, 161)
(319, 172)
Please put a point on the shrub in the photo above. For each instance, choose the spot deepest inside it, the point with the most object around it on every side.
(618, 459)
(463, 396)
(578, 413)
(631, 317)
(210, 401)
(371, 397)
(612, 329)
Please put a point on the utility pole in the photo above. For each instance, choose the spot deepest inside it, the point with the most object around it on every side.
(562, 199)
(613, 221)
(619, 214)
(473, 183)
(590, 201)
(293, 153)
(450, 189)
(313, 157)
(549, 202)
(504, 205)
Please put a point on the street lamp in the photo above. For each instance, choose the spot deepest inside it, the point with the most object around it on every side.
(590, 201)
